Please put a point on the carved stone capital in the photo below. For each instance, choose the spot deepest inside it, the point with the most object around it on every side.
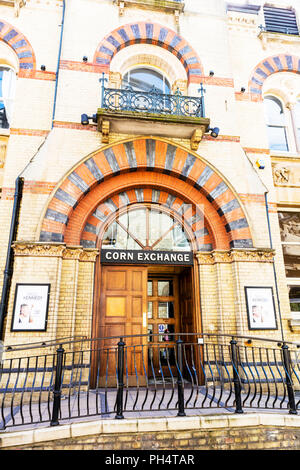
(264, 255)
(197, 137)
(72, 252)
(89, 255)
(205, 258)
(59, 250)
(105, 132)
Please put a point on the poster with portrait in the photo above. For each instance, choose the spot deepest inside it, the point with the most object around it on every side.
(30, 307)
(261, 308)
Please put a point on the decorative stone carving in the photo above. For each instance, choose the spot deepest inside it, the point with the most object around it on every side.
(2, 154)
(205, 258)
(197, 137)
(265, 255)
(38, 249)
(105, 132)
(59, 250)
(115, 80)
(72, 252)
(180, 85)
(281, 175)
(222, 257)
(89, 255)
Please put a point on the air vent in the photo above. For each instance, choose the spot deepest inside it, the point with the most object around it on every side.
(281, 20)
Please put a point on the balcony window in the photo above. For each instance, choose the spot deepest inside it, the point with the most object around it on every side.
(7, 91)
(276, 124)
(144, 79)
(280, 20)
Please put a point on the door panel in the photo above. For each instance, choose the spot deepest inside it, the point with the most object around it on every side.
(193, 352)
(123, 305)
(163, 320)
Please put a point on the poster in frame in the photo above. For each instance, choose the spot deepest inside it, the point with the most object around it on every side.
(30, 312)
(260, 308)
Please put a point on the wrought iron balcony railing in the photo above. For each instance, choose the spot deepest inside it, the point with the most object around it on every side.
(153, 102)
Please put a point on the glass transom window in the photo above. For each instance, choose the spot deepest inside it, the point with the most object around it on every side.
(146, 228)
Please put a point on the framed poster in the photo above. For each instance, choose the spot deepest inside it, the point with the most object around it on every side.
(30, 307)
(261, 308)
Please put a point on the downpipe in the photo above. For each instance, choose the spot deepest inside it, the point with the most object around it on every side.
(8, 271)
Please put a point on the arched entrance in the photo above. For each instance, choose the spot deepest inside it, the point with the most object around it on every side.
(146, 281)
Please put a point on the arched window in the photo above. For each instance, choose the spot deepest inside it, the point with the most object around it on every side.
(7, 93)
(145, 227)
(144, 79)
(276, 123)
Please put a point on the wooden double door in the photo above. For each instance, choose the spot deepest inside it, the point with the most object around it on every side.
(148, 306)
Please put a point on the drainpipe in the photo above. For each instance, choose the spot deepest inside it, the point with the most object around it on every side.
(8, 271)
(274, 269)
(58, 60)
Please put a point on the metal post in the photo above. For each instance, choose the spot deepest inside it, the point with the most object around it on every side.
(180, 385)
(202, 91)
(236, 379)
(120, 379)
(102, 80)
(57, 386)
(289, 382)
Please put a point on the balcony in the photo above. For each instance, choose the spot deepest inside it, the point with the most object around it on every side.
(127, 111)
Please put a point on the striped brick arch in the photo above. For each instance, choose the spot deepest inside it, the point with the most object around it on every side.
(190, 215)
(274, 64)
(149, 33)
(15, 39)
(144, 163)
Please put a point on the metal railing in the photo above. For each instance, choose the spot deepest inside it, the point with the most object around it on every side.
(117, 377)
(153, 102)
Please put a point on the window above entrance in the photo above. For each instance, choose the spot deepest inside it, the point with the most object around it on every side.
(146, 228)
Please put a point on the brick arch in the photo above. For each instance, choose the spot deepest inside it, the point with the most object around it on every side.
(140, 162)
(270, 65)
(19, 43)
(191, 215)
(149, 33)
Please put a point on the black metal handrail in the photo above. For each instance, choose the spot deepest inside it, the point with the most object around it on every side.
(102, 377)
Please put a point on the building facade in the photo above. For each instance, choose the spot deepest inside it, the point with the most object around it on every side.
(155, 147)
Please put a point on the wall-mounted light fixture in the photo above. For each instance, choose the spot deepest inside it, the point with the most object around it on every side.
(214, 131)
(260, 164)
(85, 119)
